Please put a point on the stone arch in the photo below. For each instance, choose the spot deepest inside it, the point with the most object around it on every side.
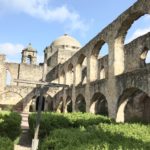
(70, 74)
(120, 39)
(68, 106)
(133, 105)
(29, 59)
(11, 99)
(134, 30)
(81, 70)
(98, 104)
(100, 46)
(145, 56)
(62, 78)
(38, 101)
(80, 103)
(60, 105)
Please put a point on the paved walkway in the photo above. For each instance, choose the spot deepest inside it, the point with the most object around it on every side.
(25, 139)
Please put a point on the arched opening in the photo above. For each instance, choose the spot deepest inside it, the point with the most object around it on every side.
(68, 107)
(81, 70)
(8, 77)
(62, 79)
(145, 56)
(38, 102)
(133, 106)
(100, 51)
(11, 100)
(122, 38)
(102, 73)
(99, 104)
(80, 104)
(138, 28)
(70, 75)
(60, 106)
(29, 59)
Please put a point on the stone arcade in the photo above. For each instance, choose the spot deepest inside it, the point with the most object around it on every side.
(117, 85)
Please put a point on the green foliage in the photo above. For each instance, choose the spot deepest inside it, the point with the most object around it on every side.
(10, 125)
(6, 144)
(78, 131)
(99, 137)
(51, 121)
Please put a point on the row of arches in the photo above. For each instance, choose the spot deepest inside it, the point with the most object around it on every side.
(98, 104)
(132, 105)
(77, 74)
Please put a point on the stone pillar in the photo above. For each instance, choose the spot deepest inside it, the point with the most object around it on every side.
(87, 88)
(2, 73)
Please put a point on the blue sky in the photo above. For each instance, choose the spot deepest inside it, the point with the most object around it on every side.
(42, 21)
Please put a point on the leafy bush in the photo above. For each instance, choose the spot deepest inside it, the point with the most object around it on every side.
(10, 125)
(6, 144)
(99, 137)
(51, 121)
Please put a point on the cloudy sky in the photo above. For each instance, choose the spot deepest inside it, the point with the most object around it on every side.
(41, 21)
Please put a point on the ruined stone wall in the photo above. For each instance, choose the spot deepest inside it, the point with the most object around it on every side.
(121, 59)
(24, 72)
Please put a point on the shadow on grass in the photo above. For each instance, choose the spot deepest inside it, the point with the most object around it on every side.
(91, 139)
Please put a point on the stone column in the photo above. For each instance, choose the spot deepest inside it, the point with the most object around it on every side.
(87, 88)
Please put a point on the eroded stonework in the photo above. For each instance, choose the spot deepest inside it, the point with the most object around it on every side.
(116, 85)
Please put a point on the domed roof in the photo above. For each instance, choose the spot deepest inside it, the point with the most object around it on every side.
(66, 40)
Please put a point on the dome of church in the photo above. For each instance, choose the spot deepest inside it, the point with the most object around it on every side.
(66, 40)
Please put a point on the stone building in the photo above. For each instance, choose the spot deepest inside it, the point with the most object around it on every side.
(117, 85)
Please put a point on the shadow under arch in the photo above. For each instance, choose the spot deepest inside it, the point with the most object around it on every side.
(98, 104)
(43, 103)
(133, 106)
(59, 107)
(80, 103)
(68, 106)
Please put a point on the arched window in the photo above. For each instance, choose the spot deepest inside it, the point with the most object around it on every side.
(8, 78)
(145, 56)
(29, 59)
(100, 51)
(81, 70)
(138, 28)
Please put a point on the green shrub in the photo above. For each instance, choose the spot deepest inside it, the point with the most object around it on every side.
(10, 125)
(6, 144)
(99, 137)
(51, 121)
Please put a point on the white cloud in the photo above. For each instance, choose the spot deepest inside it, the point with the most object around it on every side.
(13, 52)
(41, 9)
(11, 49)
(137, 33)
